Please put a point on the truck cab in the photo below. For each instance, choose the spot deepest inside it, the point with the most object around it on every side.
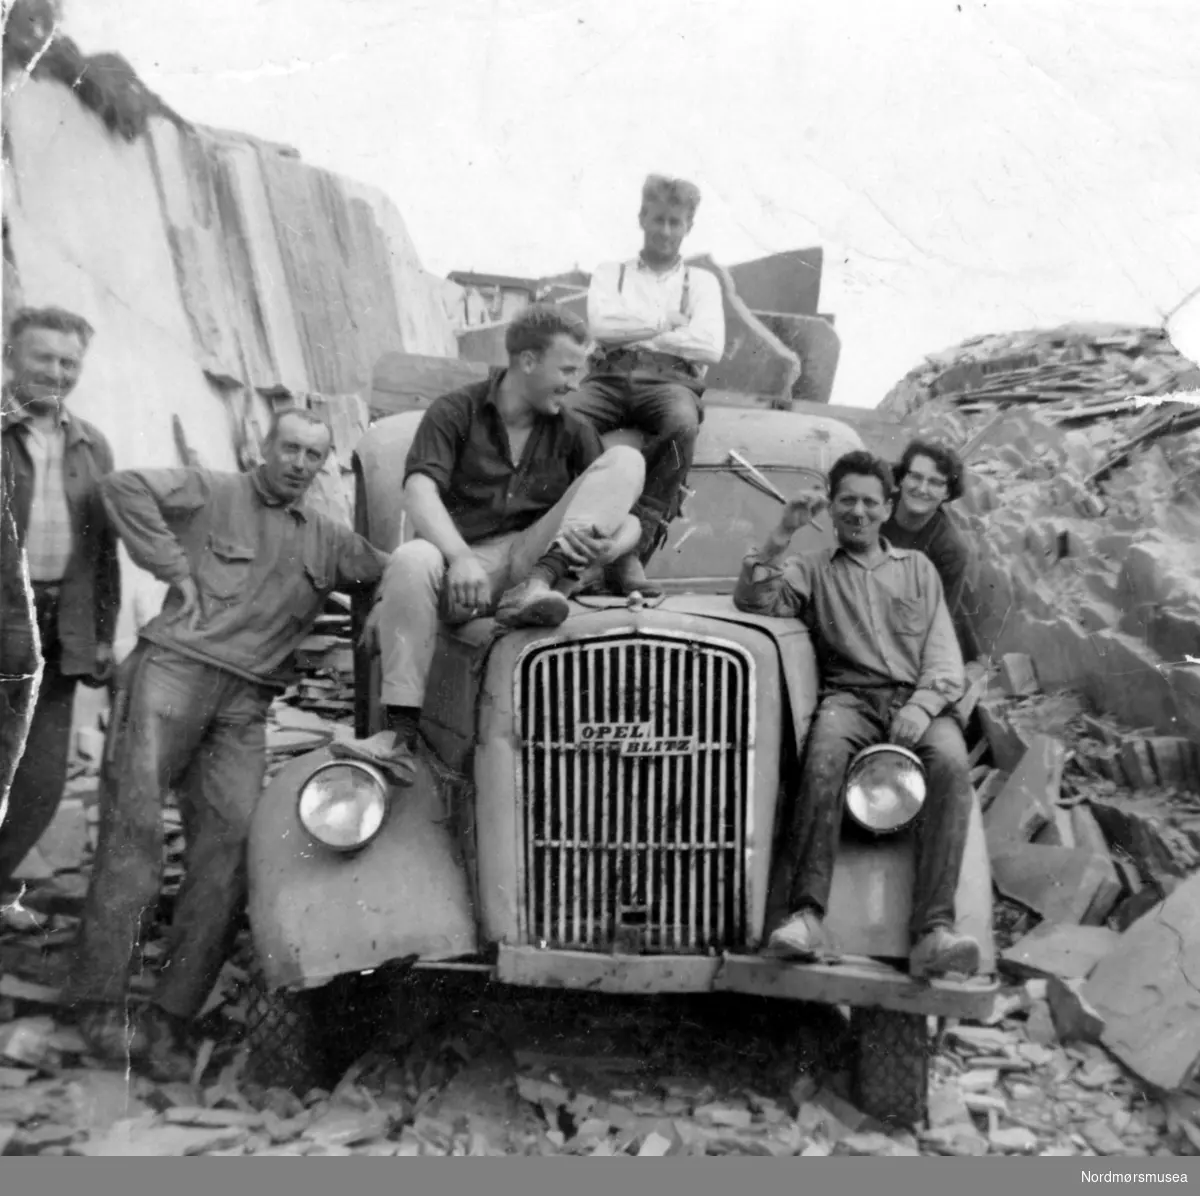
(596, 805)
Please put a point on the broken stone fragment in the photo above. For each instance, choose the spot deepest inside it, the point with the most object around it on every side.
(1102, 1138)
(1145, 991)
(1074, 1018)
(1014, 1139)
(1025, 804)
(1069, 952)
(879, 1145)
(961, 1138)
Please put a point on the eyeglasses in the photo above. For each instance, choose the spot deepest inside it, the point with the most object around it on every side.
(921, 479)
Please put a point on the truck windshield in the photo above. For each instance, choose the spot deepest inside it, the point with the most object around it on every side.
(723, 519)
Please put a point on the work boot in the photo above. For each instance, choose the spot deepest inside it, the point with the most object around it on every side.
(802, 938)
(943, 950)
(627, 576)
(533, 603)
(164, 1058)
(386, 750)
(113, 1035)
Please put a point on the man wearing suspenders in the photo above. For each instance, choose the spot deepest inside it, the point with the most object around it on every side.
(658, 325)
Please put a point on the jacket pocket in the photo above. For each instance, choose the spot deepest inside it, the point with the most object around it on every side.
(311, 588)
(909, 616)
(226, 571)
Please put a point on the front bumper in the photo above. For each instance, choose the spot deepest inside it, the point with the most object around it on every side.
(854, 980)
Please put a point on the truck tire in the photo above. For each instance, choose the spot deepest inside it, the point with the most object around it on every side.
(891, 1068)
(284, 1039)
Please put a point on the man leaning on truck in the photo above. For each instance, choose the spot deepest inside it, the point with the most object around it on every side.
(249, 570)
(511, 496)
(890, 671)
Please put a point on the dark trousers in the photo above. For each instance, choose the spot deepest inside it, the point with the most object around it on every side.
(668, 414)
(202, 731)
(847, 722)
(41, 775)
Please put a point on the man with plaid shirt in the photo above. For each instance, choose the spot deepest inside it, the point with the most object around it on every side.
(54, 522)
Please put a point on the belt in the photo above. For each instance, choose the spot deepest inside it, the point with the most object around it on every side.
(645, 359)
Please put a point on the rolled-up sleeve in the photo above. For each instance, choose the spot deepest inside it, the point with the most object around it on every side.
(359, 563)
(141, 502)
(440, 436)
(784, 591)
(942, 678)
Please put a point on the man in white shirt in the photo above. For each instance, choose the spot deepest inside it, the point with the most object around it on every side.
(659, 324)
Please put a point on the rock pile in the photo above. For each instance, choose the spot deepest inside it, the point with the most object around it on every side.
(1084, 507)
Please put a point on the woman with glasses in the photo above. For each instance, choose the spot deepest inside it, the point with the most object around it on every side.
(929, 476)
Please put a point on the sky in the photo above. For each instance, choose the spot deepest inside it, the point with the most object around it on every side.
(968, 167)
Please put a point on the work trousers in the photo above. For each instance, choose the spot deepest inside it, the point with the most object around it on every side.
(845, 724)
(38, 783)
(412, 593)
(201, 731)
(668, 414)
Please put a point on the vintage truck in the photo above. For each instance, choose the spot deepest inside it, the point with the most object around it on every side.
(596, 805)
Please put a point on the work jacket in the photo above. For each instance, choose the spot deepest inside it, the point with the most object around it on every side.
(90, 597)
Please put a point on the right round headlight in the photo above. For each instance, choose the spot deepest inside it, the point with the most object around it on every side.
(885, 788)
(343, 804)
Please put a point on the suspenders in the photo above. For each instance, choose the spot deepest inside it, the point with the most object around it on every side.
(683, 299)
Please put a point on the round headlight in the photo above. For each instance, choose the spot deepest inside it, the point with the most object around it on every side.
(885, 788)
(343, 803)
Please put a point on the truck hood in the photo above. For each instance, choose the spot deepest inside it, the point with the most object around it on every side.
(592, 616)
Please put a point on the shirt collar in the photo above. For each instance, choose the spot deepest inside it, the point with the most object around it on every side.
(16, 416)
(893, 553)
(270, 500)
(492, 394)
(640, 263)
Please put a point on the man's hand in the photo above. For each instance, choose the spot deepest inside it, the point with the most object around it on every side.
(908, 726)
(802, 509)
(586, 546)
(676, 319)
(104, 664)
(192, 608)
(467, 585)
(102, 673)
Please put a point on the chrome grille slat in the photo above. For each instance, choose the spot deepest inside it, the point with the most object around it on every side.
(650, 844)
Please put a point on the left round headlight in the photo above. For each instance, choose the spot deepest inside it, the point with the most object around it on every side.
(343, 803)
(885, 788)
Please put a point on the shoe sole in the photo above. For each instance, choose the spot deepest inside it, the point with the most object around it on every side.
(962, 959)
(547, 610)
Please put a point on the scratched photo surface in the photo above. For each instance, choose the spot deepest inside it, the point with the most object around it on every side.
(601, 579)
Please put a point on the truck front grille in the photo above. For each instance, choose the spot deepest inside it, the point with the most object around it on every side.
(636, 761)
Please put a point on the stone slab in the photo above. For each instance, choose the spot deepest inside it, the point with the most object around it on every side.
(1148, 991)
(1071, 952)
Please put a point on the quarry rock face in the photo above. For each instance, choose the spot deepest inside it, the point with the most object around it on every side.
(1083, 502)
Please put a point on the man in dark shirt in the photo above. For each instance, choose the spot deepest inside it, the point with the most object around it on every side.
(511, 497)
(890, 672)
(249, 570)
(928, 477)
(53, 531)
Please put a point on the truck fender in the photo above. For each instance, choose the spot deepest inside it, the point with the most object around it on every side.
(316, 913)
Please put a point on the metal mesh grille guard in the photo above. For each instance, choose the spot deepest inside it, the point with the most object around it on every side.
(636, 766)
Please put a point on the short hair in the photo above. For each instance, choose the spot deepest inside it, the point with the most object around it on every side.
(945, 458)
(534, 329)
(55, 319)
(309, 417)
(674, 193)
(862, 464)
